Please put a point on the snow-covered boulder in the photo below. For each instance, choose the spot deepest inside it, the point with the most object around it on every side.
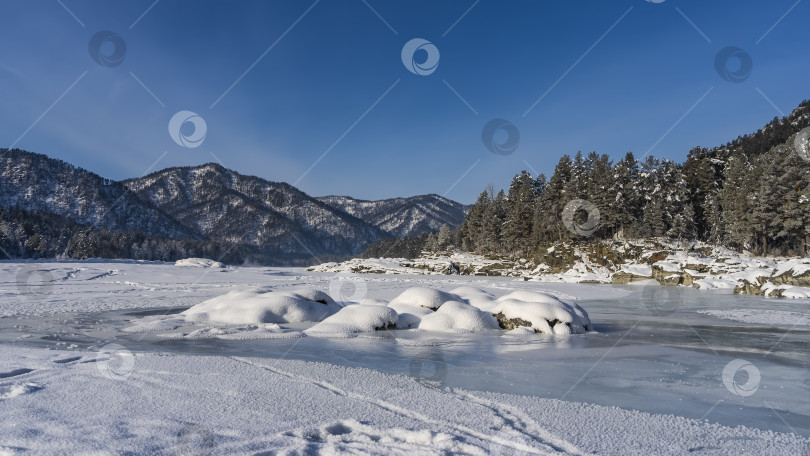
(473, 295)
(417, 302)
(355, 318)
(455, 316)
(542, 312)
(793, 272)
(428, 298)
(257, 306)
(199, 263)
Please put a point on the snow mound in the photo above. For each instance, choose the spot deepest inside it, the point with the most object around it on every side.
(428, 298)
(455, 316)
(542, 312)
(257, 306)
(473, 295)
(199, 263)
(417, 302)
(355, 318)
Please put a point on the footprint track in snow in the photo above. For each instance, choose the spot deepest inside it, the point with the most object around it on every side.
(15, 373)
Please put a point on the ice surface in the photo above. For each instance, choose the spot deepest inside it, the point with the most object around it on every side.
(650, 379)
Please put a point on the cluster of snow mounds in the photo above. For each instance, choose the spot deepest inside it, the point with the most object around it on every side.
(540, 311)
(257, 306)
(463, 310)
(199, 263)
(469, 309)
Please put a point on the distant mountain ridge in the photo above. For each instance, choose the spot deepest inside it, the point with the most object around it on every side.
(38, 183)
(210, 203)
(403, 216)
(227, 206)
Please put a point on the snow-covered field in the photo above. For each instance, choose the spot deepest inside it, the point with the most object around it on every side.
(128, 357)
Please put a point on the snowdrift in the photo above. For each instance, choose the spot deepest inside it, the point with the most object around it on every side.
(464, 310)
(355, 318)
(257, 306)
(199, 263)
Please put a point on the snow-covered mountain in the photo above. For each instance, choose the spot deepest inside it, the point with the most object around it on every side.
(206, 203)
(226, 206)
(403, 216)
(37, 183)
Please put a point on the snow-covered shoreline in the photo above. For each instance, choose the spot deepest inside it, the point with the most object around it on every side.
(700, 266)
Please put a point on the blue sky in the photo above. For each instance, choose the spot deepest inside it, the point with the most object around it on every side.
(617, 76)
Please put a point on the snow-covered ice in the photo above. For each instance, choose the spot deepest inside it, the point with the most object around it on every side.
(104, 358)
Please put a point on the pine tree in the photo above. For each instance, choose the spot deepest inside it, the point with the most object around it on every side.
(625, 196)
(520, 203)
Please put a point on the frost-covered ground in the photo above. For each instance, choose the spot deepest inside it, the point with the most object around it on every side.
(97, 357)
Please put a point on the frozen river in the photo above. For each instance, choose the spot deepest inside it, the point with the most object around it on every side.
(658, 350)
